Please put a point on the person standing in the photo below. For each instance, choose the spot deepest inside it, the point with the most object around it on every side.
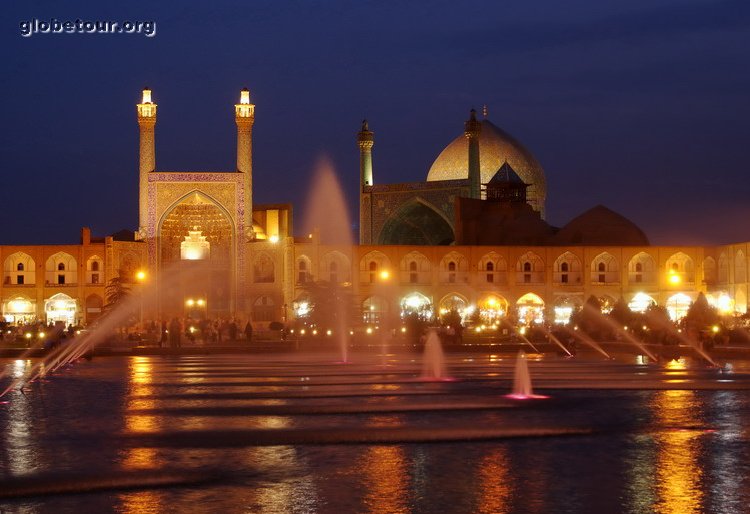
(174, 333)
(249, 332)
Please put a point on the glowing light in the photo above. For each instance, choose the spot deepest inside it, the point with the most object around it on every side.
(140, 276)
(315, 331)
(369, 330)
(19, 306)
(478, 329)
(274, 239)
(146, 97)
(715, 329)
(41, 335)
(28, 335)
(723, 303)
(562, 314)
(302, 331)
(678, 305)
(351, 332)
(244, 109)
(413, 301)
(522, 330)
(384, 275)
(195, 247)
(303, 309)
(674, 278)
(403, 330)
(641, 302)
(192, 330)
(201, 302)
(492, 302)
(328, 332)
(189, 302)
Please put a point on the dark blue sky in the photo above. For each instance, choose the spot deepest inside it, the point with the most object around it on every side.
(642, 105)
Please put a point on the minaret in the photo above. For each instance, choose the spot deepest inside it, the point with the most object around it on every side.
(146, 124)
(365, 140)
(244, 115)
(472, 129)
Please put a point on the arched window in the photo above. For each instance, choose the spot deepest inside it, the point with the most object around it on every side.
(373, 271)
(526, 266)
(639, 267)
(564, 272)
(451, 272)
(302, 273)
(490, 268)
(333, 269)
(95, 266)
(61, 266)
(263, 269)
(413, 276)
(20, 266)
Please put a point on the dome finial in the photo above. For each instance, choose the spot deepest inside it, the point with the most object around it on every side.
(485, 111)
(365, 126)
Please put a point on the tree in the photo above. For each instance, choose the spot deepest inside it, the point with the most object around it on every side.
(621, 313)
(117, 295)
(590, 320)
(330, 306)
(701, 315)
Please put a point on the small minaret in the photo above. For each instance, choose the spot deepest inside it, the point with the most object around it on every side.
(365, 140)
(147, 164)
(244, 115)
(472, 129)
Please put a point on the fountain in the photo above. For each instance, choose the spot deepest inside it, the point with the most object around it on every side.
(586, 339)
(522, 380)
(433, 364)
(327, 215)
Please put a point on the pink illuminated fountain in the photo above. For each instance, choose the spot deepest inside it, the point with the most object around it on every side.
(522, 381)
(433, 364)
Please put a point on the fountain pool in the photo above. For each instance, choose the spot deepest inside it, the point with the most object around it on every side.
(298, 433)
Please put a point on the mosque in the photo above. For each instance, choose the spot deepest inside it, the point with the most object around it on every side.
(472, 237)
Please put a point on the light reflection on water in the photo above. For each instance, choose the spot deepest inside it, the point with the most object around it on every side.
(386, 480)
(495, 483)
(678, 475)
(650, 450)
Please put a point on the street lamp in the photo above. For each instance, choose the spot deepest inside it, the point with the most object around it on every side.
(140, 277)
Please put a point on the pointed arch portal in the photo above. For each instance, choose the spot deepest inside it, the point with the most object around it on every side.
(416, 223)
(195, 254)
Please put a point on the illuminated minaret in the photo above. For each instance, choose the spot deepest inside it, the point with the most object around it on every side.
(472, 129)
(146, 124)
(365, 140)
(244, 115)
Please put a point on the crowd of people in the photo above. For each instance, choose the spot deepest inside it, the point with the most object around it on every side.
(176, 332)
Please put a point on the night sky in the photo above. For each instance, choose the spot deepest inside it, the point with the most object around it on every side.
(640, 105)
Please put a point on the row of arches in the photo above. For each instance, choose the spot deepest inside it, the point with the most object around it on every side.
(605, 268)
(492, 308)
(61, 268)
(58, 308)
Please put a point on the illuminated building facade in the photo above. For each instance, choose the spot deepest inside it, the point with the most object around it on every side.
(471, 237)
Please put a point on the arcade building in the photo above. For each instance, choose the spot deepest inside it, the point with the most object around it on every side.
(471, 237)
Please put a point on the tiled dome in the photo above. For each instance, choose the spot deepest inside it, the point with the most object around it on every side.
(495, 148)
